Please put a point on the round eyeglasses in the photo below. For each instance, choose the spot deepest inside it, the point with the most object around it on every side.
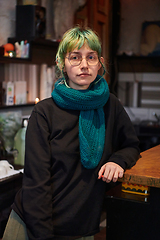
(75, 59)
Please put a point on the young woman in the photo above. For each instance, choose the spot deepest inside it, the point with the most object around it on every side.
(77, 141)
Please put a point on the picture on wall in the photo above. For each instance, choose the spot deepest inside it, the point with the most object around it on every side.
(150, 40)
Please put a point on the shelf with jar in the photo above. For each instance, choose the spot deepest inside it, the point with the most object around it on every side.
(39, 51)
(27, 74)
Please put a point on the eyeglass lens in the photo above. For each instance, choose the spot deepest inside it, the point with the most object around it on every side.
(75, 59)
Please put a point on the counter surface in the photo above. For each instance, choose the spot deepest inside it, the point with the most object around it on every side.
(147, 169)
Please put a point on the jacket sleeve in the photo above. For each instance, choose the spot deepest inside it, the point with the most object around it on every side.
(125, 142)
(36, 189)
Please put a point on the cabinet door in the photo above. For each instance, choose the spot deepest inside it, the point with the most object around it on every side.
(95, 14)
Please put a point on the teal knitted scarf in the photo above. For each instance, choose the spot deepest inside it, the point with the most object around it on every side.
(90, 102)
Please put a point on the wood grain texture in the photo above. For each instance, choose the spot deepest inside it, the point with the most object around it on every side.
(147, 169)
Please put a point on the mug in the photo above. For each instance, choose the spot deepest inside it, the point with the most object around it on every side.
(3, 171)
(6, 164)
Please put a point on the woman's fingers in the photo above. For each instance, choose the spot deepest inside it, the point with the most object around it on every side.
(110, 172)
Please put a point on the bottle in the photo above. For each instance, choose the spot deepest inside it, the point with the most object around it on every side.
(19, 143)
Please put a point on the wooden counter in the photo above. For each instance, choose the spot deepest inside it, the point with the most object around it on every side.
(129, 218)
(147, 170)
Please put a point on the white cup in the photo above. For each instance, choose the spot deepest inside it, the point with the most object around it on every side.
(6, 165)
(3, 171)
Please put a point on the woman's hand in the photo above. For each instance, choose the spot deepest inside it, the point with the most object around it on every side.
(110, 172)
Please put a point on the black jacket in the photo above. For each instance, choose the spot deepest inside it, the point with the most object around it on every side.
(59, 196)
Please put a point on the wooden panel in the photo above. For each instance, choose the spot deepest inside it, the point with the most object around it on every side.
(95, 15)
(102, 6)
(81, 17)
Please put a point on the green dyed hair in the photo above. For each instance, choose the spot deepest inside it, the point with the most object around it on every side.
(75, 38)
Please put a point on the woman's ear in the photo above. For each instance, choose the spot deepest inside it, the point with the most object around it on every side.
(60, 65)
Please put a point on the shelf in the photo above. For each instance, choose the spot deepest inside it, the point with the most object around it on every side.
(44, 51)
(138, 63)
(42, 42)
(5, 60)
(17, 106)
(41, 51)
(45, 42)
(124, 56)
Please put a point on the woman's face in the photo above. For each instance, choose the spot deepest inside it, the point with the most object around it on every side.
(81, 76)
